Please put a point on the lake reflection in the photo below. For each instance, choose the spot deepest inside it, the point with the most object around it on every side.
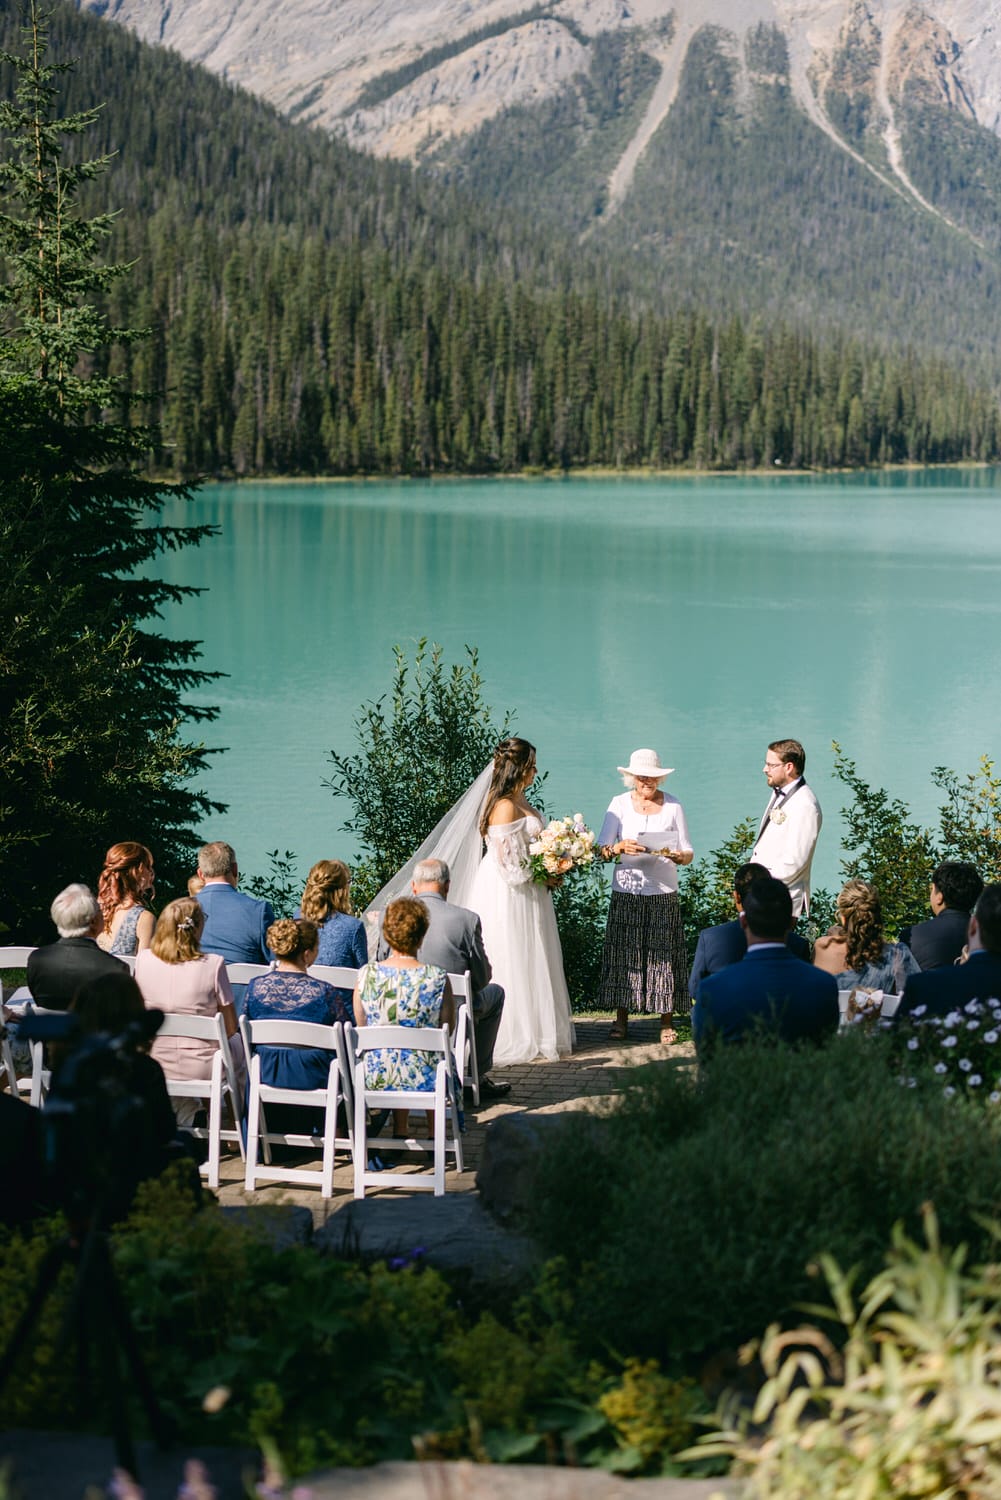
(702, 617)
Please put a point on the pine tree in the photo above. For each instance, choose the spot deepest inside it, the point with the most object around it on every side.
(90, 702)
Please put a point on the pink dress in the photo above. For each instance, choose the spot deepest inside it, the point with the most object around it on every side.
(197, 988)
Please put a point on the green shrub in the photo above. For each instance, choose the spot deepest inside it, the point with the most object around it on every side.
(705, 1199)
(910, 1406)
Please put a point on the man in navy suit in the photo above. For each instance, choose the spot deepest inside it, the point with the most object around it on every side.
(955, 887)
(235, 923)
(725, 944)
(770, 992)
(943, 990)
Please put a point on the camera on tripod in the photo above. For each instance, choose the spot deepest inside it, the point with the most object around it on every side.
(97, 1138)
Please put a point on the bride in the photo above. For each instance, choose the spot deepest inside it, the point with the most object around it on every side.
(518, 920)
(517, 916)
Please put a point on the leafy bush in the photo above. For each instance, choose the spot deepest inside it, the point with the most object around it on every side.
(961, 1050)
(415, 760)
(732, 1182)
(320, 1362)
(911, 1407)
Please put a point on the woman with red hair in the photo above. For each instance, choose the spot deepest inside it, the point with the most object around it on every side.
(122, 888)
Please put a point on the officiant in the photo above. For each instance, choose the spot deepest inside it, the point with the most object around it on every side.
(644, 965)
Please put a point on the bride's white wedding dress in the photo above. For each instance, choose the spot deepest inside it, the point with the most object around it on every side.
(523, 945)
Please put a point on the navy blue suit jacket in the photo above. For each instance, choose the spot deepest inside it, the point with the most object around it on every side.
(235, 924)
(942, 990)
(939, 940)
(769, 991)
(719, 947)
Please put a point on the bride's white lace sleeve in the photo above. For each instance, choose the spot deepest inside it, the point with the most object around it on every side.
(509, 846)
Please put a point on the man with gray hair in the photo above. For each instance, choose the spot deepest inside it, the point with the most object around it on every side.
(454, 941)
(235, 923)
(58, 970)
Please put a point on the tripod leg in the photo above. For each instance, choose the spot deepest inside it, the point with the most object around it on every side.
(160, 1425)
(45, 1280)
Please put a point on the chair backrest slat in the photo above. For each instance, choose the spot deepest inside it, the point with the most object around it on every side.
(268, 1033)
(341, 977)
(14, 958)
(200, 1028)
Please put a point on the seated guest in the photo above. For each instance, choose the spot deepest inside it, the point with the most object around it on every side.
(454, 942)
(175, 976)
(725, 944)
(235, 923)
(402, 991)
(769, 992)
(858, 954)
(57, 971)
(944, 989)
(327, 902)
(955, 886)
(124, 888)
(289, 993)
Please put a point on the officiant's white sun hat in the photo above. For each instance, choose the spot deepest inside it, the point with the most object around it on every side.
(645, 763)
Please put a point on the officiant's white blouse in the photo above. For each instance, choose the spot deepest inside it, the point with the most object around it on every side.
(645, 874)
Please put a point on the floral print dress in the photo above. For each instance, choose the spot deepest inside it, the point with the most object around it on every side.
(401, 997)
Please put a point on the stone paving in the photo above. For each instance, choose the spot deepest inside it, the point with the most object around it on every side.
(589, 1079)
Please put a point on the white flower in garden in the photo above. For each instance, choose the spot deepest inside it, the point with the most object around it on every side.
(990, 1036)
(941, 1068)
(974, 1080)
(919, 1010)
(973, 1007)
(953, 1018)
(965, 1064)
(973, 1025)
(912, 1083)
(994, 1098)
(948, 1092)
(948, 1041)
(912, 1045)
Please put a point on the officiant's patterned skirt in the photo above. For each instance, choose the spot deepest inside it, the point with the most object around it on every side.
(644, 964)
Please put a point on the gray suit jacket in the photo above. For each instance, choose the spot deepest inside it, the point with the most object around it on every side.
(453, 941)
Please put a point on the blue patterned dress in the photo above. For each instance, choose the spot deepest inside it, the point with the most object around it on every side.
(401, 997)
(126, 939)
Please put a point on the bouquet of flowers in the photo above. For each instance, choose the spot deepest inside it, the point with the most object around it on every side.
(565, 844)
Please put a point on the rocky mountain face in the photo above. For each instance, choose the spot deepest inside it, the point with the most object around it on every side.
(813, 157)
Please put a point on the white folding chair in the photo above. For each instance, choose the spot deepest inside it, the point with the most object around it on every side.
(442, 1099)
(41, 1077)
(465, 1035)
(8, 1069)
(295, 1034)
(221, 1084)
(244, 973)
(13, 958)
(336, 974)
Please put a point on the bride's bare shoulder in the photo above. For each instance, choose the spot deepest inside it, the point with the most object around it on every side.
(505, 811)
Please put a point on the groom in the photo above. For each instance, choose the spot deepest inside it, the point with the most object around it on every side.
(791, 823)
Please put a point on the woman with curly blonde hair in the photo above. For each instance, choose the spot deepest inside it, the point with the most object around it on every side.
(856, 952)
(122, 888)
(327, 902)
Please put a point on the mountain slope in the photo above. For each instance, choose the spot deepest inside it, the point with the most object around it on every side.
(833, 160)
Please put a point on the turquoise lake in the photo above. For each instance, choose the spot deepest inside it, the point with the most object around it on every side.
(700, 616)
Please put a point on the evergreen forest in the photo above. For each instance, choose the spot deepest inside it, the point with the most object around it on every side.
(316, 311)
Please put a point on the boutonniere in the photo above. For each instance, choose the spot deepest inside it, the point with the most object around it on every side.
(778, 816)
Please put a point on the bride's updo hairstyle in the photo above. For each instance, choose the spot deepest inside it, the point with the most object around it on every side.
(512, 759)
(290, 938)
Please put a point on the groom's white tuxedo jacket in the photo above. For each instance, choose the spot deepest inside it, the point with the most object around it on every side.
(786, 841)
